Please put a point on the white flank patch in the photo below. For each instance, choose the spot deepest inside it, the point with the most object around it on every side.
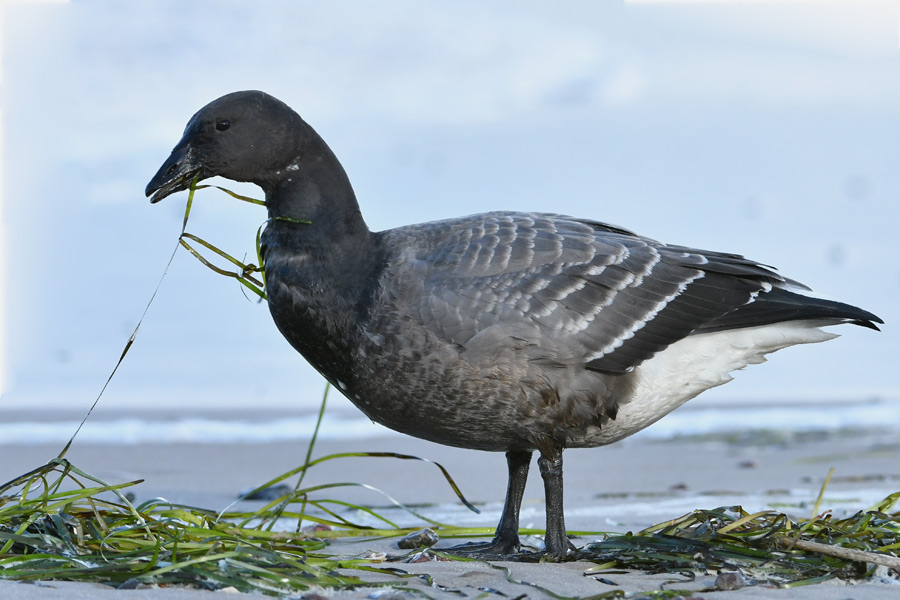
(698, 363)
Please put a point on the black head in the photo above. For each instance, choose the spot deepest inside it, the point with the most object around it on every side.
(244, 136)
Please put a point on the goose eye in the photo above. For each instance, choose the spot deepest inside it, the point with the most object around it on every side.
(223, 124)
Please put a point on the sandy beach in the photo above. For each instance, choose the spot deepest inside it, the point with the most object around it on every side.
(622, 488)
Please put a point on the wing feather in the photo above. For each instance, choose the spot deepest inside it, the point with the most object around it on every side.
(576, 290)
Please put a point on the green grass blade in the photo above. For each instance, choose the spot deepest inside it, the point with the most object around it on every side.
(233, 194)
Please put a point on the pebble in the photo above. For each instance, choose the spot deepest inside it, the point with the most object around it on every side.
(731, 580)
(266, 494)
(424, 538)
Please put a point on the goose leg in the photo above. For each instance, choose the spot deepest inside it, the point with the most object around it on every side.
(506, 539)
(555, 541)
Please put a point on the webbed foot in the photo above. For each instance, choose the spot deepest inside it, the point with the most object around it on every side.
(499, 547)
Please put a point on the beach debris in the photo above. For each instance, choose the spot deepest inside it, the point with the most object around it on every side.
(768, 547)
(845, 553)
(421, 557)
(372, 556)
(391, 594)
(424, 538)
(729, 580)
(266, 493)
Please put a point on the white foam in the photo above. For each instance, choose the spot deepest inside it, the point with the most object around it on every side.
(135, 430)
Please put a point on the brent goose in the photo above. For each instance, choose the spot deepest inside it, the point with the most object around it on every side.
(504, 331)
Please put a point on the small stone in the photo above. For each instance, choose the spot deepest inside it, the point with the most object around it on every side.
(424, 538)
(731, 580)
(388, 594)
(266, 494)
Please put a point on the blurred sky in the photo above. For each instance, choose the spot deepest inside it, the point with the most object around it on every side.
(767, 129)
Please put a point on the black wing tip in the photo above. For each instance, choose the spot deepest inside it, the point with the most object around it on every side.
(854, 315)
(867, 324)
(869, 321)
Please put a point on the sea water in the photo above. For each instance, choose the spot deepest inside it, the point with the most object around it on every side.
(698, 417)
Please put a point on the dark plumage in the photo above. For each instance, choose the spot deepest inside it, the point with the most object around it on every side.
(503, 331)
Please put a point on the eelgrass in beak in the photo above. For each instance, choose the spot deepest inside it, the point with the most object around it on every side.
(246, 271)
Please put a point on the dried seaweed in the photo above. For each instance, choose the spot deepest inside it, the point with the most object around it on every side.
(766, 546)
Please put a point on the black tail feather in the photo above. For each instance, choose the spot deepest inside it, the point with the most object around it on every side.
(780, 305)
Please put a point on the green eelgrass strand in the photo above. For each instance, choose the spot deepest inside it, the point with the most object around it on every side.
(301, 470)
(133, 336)
(280, 504)
(245, 272)
(822, 493)
(94, 533)
(244, 276)
(312, 441)
(125, 350)
(256, 201)
(78, 534)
